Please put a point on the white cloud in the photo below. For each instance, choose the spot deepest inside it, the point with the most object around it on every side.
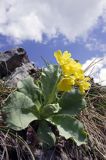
(104, 21)
(97, 69)
(2, 45)
(94, 44)
(29, 20)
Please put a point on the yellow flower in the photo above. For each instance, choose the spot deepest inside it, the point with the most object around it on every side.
(66, 84)
(62, 58)
(72, 73)
(71, 68)
(68, 65)
(84, 84)
(79, 74)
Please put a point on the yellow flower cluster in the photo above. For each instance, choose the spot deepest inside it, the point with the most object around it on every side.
(73, 75)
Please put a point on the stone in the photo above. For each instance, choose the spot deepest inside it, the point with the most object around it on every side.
(18, 74)
(15, 66)
(12, 59)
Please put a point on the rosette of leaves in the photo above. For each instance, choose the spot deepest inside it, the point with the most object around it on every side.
(40, 101)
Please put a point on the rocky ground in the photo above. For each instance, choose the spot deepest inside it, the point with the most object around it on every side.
(15, 66)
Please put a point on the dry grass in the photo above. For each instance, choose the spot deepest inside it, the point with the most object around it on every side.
(13, 147)
(4, 93)
(94, 118)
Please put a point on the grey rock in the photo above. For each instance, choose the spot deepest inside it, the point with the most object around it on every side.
(103, 89)
(19, 74)
(10, 60)
(15, 66)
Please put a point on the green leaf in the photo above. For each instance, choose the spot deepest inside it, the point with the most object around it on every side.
(49, 110)
(72, 102)
(28, 87)
(69, 127)
(45, 134)
(15, 109)
(49, 79)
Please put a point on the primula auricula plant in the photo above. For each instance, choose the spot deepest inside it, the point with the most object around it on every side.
(56, 98)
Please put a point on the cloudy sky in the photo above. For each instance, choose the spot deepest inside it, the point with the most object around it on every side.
(44, 26)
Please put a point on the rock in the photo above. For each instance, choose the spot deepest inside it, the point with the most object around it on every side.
(15, 66)
(10, 60)
(18, 74)
(103, 89)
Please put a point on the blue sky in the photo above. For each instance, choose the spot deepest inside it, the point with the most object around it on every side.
(38, 50)
(43, 26)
